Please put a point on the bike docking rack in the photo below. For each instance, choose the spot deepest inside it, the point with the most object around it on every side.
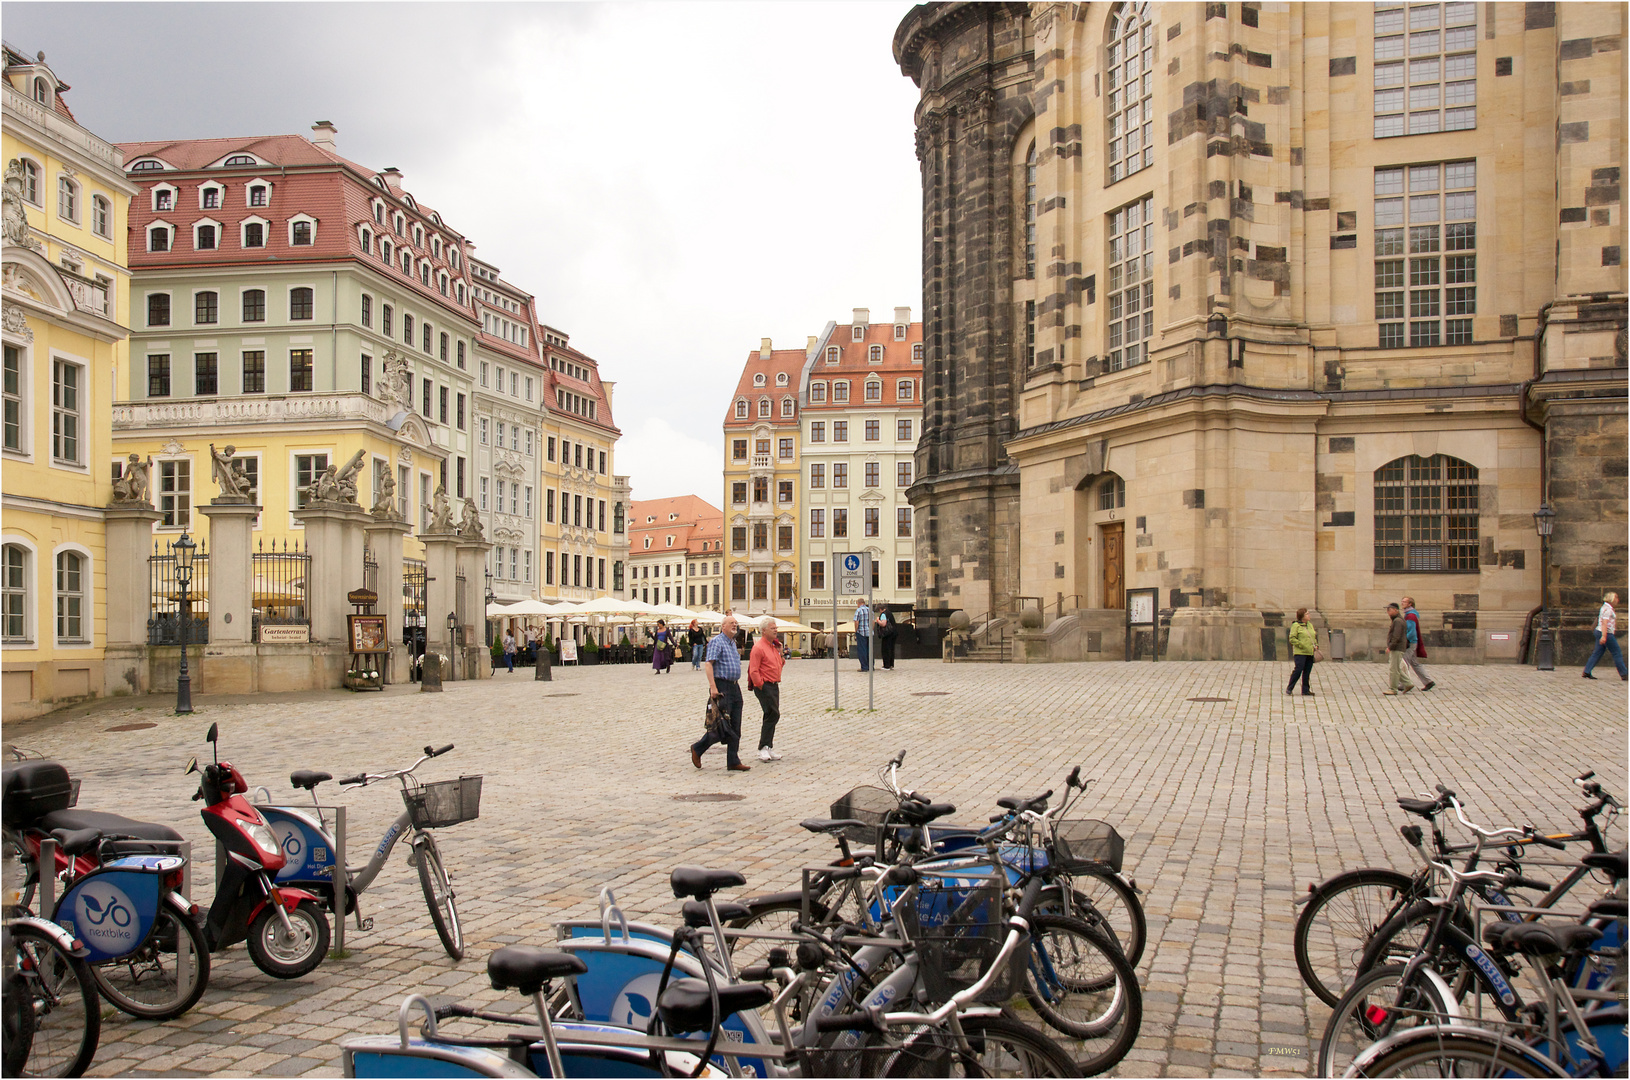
(339, 876)
(1613, 989)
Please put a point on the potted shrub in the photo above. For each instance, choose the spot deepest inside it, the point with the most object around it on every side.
(590, 653)
(497, 652)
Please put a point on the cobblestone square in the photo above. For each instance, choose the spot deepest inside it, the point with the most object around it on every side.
(1232, 798)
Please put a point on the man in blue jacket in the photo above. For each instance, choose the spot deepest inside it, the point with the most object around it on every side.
(1417, 645)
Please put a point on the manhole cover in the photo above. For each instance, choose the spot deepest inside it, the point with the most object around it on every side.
(562, 695)
(710, 796)
(131, 727)
(1211, 699)
(932, 693)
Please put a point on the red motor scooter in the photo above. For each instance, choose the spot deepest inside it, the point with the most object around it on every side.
(286, 928)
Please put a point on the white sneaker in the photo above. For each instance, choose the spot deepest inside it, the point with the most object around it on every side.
(765, 754)
(775, 754)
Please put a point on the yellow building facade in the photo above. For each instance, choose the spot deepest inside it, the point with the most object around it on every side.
(761, 485)
(66, 305)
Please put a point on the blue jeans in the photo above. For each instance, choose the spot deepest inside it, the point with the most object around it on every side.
(509, 658)
(1609, 644)
(696, 657)
(863, 651)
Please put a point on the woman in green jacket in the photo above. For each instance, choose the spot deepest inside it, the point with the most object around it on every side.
(1303, 641)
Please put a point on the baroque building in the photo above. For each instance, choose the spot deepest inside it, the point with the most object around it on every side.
(66, 292)
(1271, 305)
(663, 534)
(761, 483)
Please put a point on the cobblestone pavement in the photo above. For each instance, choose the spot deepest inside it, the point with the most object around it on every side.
(1231, 804)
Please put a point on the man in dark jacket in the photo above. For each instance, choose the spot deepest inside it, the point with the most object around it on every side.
(1397, 642)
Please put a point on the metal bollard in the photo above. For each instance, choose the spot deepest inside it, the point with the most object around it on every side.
(430, 677)
(541, 671)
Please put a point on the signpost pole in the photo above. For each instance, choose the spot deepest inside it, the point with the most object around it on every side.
(871, 655)
(837, 578)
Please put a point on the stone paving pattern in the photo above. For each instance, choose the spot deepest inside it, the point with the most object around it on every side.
(1229, 809)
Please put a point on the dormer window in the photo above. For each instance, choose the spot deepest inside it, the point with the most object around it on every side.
(147, 166)
(418, 236)
(758, 380)
(857, 333)
(379, 212)
(875, 354)
(163, 198)
(385, 251)
(206, 235)
(237, 161)
(786, 408)
(741, 408)
(254, 233)
(441, 283)
(817, 393)
(209, 197)
(459, 289)
(832, 355)
(400, 224)
(158, 236)
(367, 239)
(899, 331)
(917, 353)
(781, 378)
(763, 408)
(453, 257)
(874, 390)
(435, 246)
(42, 92)
(424, 272)
(259, 195)
(302, 231)
(407, 262)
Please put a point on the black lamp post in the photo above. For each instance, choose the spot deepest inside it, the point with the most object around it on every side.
(184, 550)
(1544, 521)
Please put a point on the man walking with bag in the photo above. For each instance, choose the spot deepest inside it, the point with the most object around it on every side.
(1397, 642)
(723, 670)
(764, 679)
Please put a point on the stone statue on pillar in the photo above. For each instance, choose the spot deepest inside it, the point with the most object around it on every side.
(393, 383)
(232, 476)
(470, 527)
(323, 489)
(441, 515)
(385, 506)
(132, 489)
(346, 479)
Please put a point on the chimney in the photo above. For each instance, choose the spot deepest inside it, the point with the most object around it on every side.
(810, 346)
(393, 178)
(323, 133)
(863, 316)
(764, 348)
(608, 387)
(902, 316)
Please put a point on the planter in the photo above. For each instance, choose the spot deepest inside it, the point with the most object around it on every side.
(588, 656)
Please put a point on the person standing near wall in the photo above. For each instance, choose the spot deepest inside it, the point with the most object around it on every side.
(764, 679)
(1304, 641)
(696, 642)
(863, 635)
(1397, 643)
(887, 627)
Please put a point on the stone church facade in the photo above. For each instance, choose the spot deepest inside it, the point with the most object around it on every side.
(1271, 305)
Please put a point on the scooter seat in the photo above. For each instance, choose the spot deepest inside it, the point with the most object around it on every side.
(308, 778)
(687, 1006)
(108, 824)
(76, 841)
(695, 913)
(527, 967)
(699, 883)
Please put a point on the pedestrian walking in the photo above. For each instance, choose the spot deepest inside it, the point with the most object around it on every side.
(509, 650)
(1417, 651)
(863, 635)
(1304, 643)
(662, 656)
(722, 666)
(1607, 624)
(1397, 642)
(764, 679)
(696, 644)
(887, 626)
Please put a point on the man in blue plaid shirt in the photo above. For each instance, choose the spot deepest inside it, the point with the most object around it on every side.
(723, 667)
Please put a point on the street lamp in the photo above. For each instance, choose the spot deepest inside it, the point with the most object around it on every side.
(1544, 522)
(452, 630)
(184, 550)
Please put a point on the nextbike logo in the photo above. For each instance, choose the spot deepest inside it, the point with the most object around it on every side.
(106, 917)
(634, 1006)
(1487, 966)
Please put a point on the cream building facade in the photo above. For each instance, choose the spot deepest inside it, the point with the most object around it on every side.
(861, 402)
(665, 538)
(66, 295)
(1272, 305)
(761, 483)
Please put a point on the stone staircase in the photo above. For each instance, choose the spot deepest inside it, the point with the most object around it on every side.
(997, 653)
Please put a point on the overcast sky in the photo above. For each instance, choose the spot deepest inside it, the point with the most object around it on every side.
(673, 182)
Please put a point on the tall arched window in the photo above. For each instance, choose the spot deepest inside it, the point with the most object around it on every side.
(1030, 213)
(1129, 72)
(1426, 516)
(741, 408)
(15, 578)
(764, 408)
(70, 596)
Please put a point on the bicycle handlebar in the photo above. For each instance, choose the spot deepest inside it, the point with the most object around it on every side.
(1541, 838)
(1487, 834)
(359, 778)
(438, 752)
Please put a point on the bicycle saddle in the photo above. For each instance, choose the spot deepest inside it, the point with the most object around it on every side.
(1019, 802)
(76, 841)
(1424, 807)
(832, 825)
(695, 913)
(111, 824)
(308, 778)
(687, 1006)
(1537, 939)
(700, 883)
(1609, 907)
(1611, 861)
(917, 813)
(527, 967)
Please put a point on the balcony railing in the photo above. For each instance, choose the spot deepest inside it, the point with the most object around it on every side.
(762, 461)
(89, 294)
(208, 412)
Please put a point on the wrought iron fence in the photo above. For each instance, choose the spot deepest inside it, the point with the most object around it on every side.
(280, 578)
(164, 623)
(370, 570)
(413, 592)
(461, 607)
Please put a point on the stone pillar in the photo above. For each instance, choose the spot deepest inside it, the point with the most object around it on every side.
(334, 542)
(385, 541)
(440, 568)
(472, 563)
(231, 571)
(129, 578)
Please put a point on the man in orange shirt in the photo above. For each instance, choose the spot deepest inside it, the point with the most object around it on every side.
(764, 679)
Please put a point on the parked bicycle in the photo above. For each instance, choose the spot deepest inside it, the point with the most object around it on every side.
(307, 840)
(52, 1017)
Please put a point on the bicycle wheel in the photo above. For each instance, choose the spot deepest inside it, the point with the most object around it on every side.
(1463, 1054)
(438, 895)
(776, 918)
(1376, 1006)
(1339, 920)
(994, 1046)
(1107, 896)
(1080, 991)
(150, 983)
(67, 1015)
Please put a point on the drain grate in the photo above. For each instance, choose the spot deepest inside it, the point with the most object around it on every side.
(710, 796)
(1211, 699)
(131, 727)
(932, 693)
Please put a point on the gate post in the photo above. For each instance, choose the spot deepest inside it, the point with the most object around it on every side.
(385, 541)
(129, 601)
(472, 566)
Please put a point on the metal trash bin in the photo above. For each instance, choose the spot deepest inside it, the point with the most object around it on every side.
(1338, 644)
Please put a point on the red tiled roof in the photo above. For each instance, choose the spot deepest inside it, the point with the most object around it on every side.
(780, 361)
(854, 364)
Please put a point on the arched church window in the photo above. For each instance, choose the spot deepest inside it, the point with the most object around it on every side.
(1129, 75)
(1426, 516)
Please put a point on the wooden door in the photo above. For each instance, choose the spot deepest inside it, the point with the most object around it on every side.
(1114, 536)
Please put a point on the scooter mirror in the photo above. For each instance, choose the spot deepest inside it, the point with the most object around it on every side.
(214, 733)
(192, 767)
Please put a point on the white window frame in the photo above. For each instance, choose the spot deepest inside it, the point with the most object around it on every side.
(840, 391)
(29, 590)
(874, 354)
(219, 233)
(817, 393)
(781, 378)
(787, 407)
(741, 409)
(294, 456)
(905, 390)
(917, 353)
(102, 214)
(379, 211)
(32, 171)
(857, 332)
(25, 403)
(288, 301)
(764, 408)
(175, 193)
(306, 219)
(265, 232)
(67, 185)
(250, 185)
(86, 594)
(758, 380)
(169, 232)
(191, 489)
(220, 198)
(146, 309)
(832, 354)
(874, 390)
(81, 412)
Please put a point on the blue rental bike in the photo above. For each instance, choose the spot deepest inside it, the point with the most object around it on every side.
(308, 841)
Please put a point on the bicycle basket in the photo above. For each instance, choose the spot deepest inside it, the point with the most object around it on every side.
(444, 803)
(868, 804)
(957, 927)
(1079, 845)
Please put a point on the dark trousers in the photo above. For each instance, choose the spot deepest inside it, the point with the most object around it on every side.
(1303, 670)
(862, 649)
(886, 650)
(769, 699)
(729, 729)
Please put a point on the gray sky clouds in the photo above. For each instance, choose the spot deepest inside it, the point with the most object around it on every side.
(673, 181)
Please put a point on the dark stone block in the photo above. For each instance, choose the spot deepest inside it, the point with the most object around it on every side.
(1611, 255)
(1573, 133)
(1216, 11)
(1195, 498)
(1338, 243)
(1539, 16)
(1342, 444)
(1095, 641)
(1218, 189)
(1601, 194)
(1340, 518)
(1257, 59)
(1502, 65)
(1608, 175)
(1601, 217)
(1316, 204)
(1466, 601)
(1296, 155)
(1571, 213)
(1346, 219)
(1460, 620)
(1173, 30)
(1573, 89)
(1264, 253)
(1574, 49)
(1142, 523)
(1179, 598)
(1343, 65)
(1508, 326)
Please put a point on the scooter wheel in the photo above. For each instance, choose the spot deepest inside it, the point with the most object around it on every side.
(289, 955)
